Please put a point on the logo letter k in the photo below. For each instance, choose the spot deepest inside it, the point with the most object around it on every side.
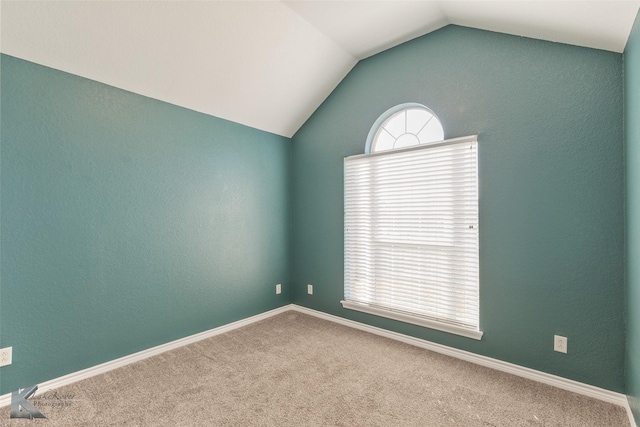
(20, 408)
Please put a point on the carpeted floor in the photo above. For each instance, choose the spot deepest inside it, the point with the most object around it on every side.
(297, 370)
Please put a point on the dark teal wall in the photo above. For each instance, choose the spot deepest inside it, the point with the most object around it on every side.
(128, 222)
(632, 136)
(550, 123)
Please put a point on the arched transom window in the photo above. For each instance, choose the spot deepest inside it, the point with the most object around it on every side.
(404, 126)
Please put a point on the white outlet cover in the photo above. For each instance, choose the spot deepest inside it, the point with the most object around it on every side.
(6, 356)
(278, 288)
(560, 344)
(310, 289)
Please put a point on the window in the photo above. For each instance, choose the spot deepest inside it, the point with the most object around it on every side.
(404, 126)
(411, 224)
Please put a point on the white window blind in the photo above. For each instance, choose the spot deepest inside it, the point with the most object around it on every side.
(411, 235)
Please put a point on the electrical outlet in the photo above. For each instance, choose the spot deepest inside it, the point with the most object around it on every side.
(310, 289)
(560, 344)
(5, 356)
(278, 288)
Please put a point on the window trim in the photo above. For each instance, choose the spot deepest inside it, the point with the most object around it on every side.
(414, 320)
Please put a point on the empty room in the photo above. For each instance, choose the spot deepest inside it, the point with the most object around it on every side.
(320, 213)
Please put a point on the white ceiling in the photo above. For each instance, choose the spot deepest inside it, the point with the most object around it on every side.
(269, 64)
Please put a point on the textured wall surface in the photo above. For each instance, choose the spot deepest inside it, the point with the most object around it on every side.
(632, 130)
(128, 222)
(550, 123)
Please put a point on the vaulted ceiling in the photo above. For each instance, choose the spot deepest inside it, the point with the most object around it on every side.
(269, 64)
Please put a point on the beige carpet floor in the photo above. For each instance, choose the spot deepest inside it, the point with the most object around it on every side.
(297, 370)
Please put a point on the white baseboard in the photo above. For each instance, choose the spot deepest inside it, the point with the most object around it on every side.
(553, 380)
(549, 379)
(632, 420)
(73, 377)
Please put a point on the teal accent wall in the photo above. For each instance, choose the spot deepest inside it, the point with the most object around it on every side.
(550, 122)
(632, 136)
(127, 222)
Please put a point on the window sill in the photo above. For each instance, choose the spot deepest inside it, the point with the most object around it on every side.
(414, 320)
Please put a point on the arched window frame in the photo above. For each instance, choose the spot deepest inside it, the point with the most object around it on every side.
(384, 117)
